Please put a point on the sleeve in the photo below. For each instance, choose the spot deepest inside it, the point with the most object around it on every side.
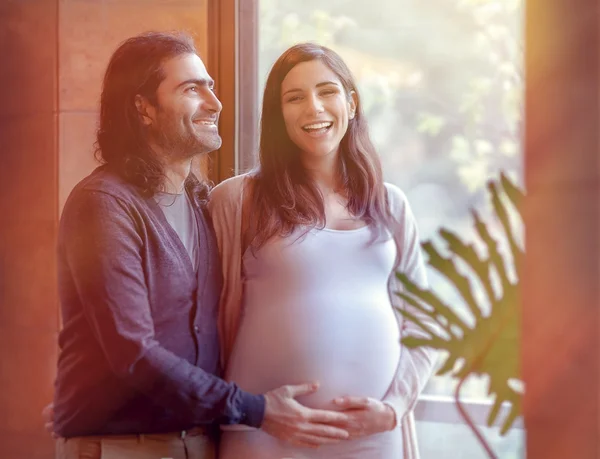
(101, 244)
(224, 205)
(415, 366)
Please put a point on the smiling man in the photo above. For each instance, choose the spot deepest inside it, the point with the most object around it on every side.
(140, 279)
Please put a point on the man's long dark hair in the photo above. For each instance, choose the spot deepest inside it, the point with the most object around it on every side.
(135, 68)
(283, 196)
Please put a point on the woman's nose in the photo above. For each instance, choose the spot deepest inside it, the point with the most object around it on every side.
(315, 104)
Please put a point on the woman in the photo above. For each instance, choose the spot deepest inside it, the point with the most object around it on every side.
(310, 241)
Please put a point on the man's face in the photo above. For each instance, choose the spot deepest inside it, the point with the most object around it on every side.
(184, 121)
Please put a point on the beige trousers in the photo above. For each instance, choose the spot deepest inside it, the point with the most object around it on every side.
(192, 444)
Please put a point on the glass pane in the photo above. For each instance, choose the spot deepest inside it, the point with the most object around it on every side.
(442, 441)
(441, 85)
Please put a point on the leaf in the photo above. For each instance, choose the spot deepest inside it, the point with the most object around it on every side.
(447, 268)
(512, 192)
(514, 413)
(430, 298)
(491, 345)
(502, 214)
(441, 320)
(467, 252)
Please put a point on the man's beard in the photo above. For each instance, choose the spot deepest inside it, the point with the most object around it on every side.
(183, 145)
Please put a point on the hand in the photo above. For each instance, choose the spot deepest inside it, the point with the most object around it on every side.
(367, 416)
(48, 415)
(288, 420)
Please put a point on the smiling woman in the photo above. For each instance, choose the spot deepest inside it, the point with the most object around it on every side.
(441, 85)
(316, 109)
(311, 84)
(314, 235)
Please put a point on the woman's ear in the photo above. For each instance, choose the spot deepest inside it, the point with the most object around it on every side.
(352, 105)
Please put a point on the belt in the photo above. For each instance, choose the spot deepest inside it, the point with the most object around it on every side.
(193, 432)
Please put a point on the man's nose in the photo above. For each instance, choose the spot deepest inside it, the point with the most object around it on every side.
(212, 102)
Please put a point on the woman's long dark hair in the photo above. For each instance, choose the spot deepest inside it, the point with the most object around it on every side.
(283, 197)
(135, 68)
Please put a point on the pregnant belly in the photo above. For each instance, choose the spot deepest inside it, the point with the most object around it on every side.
(349, 345)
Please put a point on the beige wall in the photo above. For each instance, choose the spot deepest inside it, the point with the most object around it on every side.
(53, 56)
(89, 31)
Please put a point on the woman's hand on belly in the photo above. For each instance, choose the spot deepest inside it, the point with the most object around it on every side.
(367, 416)
(288, 420)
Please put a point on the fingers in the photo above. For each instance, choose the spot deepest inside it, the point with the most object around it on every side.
(50, 429)
(48, 416)
(326, 416)
(48, 412)
(324, 431)
(349, 403)
(315, 435)
(306, 433)
(314, 441)
(301, 389)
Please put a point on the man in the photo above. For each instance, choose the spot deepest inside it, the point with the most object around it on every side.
(140, 278)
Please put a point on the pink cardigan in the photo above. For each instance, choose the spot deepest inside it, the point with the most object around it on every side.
(415, 365)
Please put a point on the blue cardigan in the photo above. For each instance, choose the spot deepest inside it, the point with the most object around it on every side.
(139, 346)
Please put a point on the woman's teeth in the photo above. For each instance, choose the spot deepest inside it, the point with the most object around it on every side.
(317, 126)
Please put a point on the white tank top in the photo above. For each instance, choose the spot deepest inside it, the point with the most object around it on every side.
(317, 308)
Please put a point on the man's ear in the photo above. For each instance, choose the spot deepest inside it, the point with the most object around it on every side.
(145, 110)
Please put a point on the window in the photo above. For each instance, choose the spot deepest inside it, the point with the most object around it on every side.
(442, 87)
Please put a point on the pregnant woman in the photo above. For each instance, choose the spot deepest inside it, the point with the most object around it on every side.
(310, 240)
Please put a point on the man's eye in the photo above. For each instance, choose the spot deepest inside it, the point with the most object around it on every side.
(192, 88)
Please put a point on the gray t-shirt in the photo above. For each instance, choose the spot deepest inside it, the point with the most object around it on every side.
(180, 215)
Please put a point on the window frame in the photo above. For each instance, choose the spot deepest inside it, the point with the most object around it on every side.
(232, 62)
(443, 409)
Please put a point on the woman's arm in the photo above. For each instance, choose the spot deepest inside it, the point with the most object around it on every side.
(416, 365)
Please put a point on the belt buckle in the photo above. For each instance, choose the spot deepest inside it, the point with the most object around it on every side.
(183, 434)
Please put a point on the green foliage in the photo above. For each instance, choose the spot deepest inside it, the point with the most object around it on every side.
(490, 346)
(430, 124)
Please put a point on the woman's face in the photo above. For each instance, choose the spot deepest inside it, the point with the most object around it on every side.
(316, 109)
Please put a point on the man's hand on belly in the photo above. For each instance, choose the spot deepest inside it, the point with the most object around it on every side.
(367, 416)
(288, 420)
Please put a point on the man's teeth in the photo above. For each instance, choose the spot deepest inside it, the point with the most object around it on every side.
(310, 127)
(207, 123)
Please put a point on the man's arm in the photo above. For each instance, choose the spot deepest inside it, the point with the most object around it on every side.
(102, 247)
